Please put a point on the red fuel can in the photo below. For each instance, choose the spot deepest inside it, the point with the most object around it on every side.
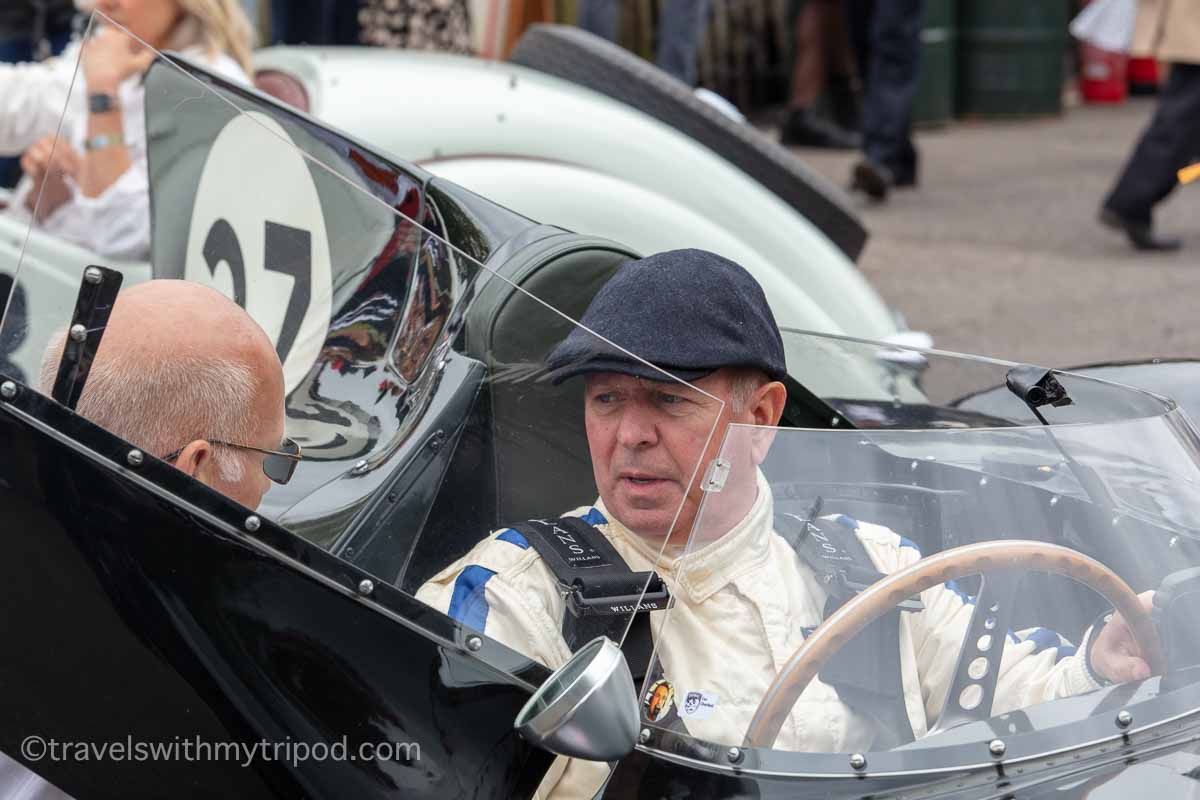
(1102, 74)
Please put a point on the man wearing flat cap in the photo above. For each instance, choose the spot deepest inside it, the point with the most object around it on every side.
(700, 318)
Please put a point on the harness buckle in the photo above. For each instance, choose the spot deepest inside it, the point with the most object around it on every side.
(654, 598)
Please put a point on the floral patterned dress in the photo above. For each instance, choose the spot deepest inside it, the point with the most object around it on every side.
(416, 24)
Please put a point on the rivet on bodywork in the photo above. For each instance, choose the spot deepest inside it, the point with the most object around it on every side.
(474, 643)
(134, 458)
(1124, 718)
(78, 333)
(253, 523)
(360, 468)
(8, 390)
(734, 754)
(366, 586)
(644, 736)
(92, 275)
(858, 761)
(997, 747)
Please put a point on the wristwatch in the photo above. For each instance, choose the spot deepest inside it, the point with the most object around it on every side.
(102, 103)
(102, 141)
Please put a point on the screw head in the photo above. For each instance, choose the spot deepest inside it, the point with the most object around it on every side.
(8, 390)
(474, 643)
(253, 523)
(734, 754)
(1124, 718)
(858, 761)
(644, 735)
(360, 467)
(78, 333)
(997, 747)
(92, 275)
(134, 458)
(366, 586)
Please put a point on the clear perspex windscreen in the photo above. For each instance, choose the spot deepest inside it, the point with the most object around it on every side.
(416, 376)
(1018, 537)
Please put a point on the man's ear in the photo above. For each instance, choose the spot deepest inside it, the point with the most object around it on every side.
(766, 409)
(196, 460)
(767, 403)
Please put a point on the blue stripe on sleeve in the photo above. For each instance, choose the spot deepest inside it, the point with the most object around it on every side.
(909, 543)
(953, 586)
(469, 604)
(1043, 638)
(594, 517)
(847, 521)
(512, 537)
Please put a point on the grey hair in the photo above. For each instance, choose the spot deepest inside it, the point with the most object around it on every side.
(163, 404)
(746, 381)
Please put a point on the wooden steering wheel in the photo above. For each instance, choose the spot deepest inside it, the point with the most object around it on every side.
(1001, 564)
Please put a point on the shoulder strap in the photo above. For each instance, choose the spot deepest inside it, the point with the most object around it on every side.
(835, 553)
(600, 589)
(866, 672)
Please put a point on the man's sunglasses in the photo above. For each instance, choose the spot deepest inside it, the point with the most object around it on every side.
(278, 465)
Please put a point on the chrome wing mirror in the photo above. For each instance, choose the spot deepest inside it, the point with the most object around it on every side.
(587, 708)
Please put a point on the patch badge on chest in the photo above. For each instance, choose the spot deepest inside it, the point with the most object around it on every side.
(698, 705)
(657, 701)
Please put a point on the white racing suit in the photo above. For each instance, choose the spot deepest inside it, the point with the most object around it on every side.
(743, 605)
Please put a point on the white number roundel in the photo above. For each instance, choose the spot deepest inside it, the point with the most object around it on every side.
(258, 236)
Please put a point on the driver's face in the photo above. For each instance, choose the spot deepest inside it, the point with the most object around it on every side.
(646, 438)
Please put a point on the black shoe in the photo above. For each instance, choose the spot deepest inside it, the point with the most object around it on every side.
(805, 129)
(1141, 234)
(873, 179)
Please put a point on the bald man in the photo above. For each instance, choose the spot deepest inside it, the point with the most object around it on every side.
(184, 373)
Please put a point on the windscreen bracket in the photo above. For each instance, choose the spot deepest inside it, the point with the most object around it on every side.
(93, 305)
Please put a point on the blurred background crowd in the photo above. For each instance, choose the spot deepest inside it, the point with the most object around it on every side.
(831, 74)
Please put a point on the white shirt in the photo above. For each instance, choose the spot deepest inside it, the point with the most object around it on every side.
(33, 96)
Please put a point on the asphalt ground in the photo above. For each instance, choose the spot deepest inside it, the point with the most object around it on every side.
(998, 251)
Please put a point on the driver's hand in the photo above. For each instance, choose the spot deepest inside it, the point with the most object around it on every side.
(1115, 654)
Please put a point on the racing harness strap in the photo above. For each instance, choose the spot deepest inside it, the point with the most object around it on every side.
(601, 591)
(866, 671)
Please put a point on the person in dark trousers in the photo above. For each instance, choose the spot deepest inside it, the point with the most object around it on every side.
(886, 35)
(31, 30)
(823, 63)
(680, 28)
(317, 22)
(1170, 31)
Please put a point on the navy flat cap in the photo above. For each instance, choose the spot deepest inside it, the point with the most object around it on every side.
(688, 312)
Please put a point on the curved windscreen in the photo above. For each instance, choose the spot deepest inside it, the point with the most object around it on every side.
(934, 576)
(319, 339)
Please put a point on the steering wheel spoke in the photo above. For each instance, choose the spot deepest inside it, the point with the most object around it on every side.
(973, 689)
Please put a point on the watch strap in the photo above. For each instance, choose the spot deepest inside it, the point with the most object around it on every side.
(102, 103)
